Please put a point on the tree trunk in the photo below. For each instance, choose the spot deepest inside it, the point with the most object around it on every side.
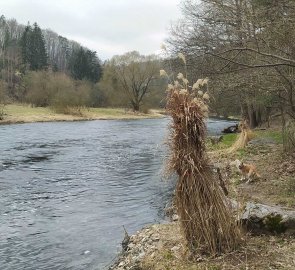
(259, 116)
(285, 141)
(268, 111)
(252, 116)
(244, 111)
(135, 106)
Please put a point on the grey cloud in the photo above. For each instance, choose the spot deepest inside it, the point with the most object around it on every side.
(109, 27)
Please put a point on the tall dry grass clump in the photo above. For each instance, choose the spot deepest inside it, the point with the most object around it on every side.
(205, 215)
(244, 137)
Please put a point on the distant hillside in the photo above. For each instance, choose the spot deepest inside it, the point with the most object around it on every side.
(58, 48)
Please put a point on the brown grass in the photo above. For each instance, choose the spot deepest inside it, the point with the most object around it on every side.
(206, 219)
(258, 252)
(276, 186)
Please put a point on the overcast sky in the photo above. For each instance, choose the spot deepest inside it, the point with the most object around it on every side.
(107, 26)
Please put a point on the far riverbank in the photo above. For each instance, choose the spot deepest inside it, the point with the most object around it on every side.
(19, 113)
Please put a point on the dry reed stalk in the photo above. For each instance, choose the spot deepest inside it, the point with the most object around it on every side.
(244, 137)
(205, 215)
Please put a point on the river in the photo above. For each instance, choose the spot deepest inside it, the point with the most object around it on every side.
(66, 189)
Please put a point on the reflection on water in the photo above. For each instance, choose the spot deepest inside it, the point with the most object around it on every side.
(66, 189)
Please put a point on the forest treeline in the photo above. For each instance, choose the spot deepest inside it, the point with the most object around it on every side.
(246, 48)
(42, 68)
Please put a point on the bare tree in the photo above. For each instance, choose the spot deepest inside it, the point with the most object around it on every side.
(245, 44)
(133, 74)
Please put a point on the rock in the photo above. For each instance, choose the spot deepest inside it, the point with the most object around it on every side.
(135, 267)
(231, 129)
(260, 218)
(155, 237)
(169, 211)
(175, 248)
(150, 242)
(153, 248)
(142, 243)
(141, 255)
(131, 246)
(175, 217)
(138, 257)
(289, 223)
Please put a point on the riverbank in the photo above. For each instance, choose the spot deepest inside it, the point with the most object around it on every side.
(162, 246)
(18, 113)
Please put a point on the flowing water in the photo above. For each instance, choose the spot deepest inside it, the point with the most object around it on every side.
(67, 188)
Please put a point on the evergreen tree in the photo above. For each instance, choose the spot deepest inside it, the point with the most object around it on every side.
(25, 44)
(39, 61)
(84, 64)
(77, 64)
(94, 67)
(33, 48)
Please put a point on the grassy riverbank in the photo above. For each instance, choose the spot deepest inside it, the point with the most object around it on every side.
(162, 246)
(17, 113)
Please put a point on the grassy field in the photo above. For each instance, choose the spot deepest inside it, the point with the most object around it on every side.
(19, 113)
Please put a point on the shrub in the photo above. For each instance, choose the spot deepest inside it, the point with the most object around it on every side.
(39, 88)
(59, 91)
(65, 99)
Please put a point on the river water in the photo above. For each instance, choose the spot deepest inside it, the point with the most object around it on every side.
(67, 188)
